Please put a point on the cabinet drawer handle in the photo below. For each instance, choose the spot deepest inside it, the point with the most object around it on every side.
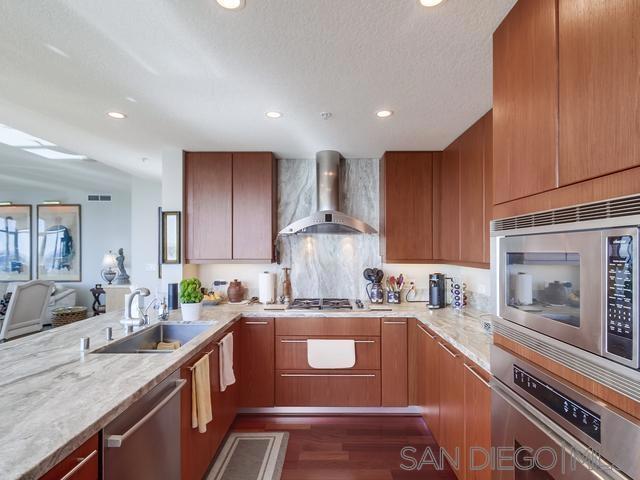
(304, 341)
(256, 323)
(394, 323)
(432, 337)
(477, 375)
(115, 441)
(82, 462)
(368, 375)
(454, 355)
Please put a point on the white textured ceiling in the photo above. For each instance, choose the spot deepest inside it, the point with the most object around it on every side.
(20, 171)
(202, 77)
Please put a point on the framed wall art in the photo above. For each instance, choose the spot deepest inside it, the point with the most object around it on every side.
(171, 237)
(15, 243)
(59, 243)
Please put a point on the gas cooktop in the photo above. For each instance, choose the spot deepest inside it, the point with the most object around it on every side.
(320, 304)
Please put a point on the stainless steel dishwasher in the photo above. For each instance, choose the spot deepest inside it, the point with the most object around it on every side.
(144, 441)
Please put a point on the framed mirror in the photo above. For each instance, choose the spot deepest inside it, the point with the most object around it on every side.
(171, 237)
(15, 243)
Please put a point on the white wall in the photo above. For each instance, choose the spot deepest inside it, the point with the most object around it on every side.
(145, 200)
(105, 226)
(172, 201)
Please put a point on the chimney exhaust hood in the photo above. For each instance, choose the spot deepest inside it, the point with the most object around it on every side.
(328, 218)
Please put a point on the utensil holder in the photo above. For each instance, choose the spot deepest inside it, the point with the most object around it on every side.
(393, 297)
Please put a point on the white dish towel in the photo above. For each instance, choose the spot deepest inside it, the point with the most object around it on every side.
(331, 354)
(226, 362)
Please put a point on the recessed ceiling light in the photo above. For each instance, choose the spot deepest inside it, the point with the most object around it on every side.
(51, 202)
(54, 154)
(231, 4)
(117, 115)
(6, 204)
(430, 3)
(273, 114)
(131, 99)
(384, 113)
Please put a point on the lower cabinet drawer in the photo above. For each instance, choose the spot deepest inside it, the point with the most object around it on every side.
(291, 353)
(328, 388)
(81, 464)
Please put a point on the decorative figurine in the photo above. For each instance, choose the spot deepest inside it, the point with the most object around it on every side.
(123, 276)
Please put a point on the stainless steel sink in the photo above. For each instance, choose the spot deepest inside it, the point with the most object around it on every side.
(146, 340)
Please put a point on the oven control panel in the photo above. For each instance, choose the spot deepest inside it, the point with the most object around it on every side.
(572, 411)
(620, 311)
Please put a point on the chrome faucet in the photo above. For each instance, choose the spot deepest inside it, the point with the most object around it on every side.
(144, 318)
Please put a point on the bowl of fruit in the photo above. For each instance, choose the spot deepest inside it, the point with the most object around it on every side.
(212, 298)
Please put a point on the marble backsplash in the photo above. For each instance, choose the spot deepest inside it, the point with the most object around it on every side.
(328, 265)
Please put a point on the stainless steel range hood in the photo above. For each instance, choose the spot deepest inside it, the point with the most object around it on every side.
(328, 218)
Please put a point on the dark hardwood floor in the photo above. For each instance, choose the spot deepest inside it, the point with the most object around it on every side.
(349, 447)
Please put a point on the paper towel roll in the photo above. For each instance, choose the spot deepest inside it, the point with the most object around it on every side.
(267, 288)
(524, 288)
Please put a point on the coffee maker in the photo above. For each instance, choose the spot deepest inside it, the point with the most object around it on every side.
(437, 291)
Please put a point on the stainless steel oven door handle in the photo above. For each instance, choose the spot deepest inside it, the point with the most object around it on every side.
(115, 441)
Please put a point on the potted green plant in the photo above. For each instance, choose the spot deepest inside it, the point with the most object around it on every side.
(191, 299)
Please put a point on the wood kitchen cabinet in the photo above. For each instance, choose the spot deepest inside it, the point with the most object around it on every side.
(566, 125)
(254, 205)
(428, 378)
(525, 100)
(395, 388)
(599, 52)
(82, 464)
(476, 201)
(477, 421)
(406, 206)
(257, 388)
(451, 435)
(447, 204)
(208, 197)
(454, 398)
(229, 206)
(297, 384)
(198, 449)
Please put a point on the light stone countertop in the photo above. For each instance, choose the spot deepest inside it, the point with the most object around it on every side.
(53, 397)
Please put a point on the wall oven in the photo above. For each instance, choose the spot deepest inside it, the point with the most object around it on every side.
(544, 428)
(579, 287)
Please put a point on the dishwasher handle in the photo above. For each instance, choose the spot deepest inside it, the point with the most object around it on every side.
(116, 441)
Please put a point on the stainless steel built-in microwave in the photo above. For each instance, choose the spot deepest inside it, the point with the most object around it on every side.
(579, 287)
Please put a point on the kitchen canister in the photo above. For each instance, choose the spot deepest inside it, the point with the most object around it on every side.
(458, 295)
(235, 292)
(267, 288)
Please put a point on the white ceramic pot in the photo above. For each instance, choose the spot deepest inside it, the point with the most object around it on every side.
(191, 311)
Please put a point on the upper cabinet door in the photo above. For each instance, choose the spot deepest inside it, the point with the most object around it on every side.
(525, 100)
(407, 206)
(447, 207)
(207, 206)
(254, 205)
(472, 214)
(599, 87)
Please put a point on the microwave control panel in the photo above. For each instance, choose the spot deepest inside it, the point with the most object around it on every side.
(620, 308)
(573, 412)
